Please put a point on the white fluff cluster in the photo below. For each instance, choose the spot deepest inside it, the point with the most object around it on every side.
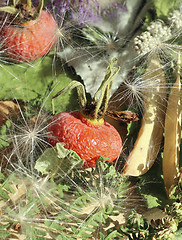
(153, 39)
(175, 20)
(159, 30)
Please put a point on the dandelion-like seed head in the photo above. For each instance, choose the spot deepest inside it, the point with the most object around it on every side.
(32, 181)
(134, 87)
(102, 196)
(100, 200)
(29, 138)
(32, 135)
(107, 199)
(130, 93)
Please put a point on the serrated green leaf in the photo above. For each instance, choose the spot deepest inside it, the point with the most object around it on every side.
(34, 233)
(92, 224)
(112, 235)
(55, 226)
(48, 162)
(4, 226)
(58, 159)
(3, 130)
(4, 139)
(61, 189)
(8, 187)
(2, 177)
(41, 233)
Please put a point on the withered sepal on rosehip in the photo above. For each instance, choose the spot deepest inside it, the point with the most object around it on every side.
(86, 132)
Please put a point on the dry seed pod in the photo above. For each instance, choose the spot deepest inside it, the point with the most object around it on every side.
(172, 136)
(150, 134)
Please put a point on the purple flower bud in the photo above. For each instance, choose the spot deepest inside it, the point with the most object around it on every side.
(81, 11)
(84, 11)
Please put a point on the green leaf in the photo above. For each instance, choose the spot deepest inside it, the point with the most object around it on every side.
(92, 224)
(4, 226)
(5, 188)
(112, 235)
(62, 189)
(58, 159)
(164, 7)
(34, 234)
(4, 234)
(64, 237)
(4, 139)
(152, 201)
(179, 234)
(37, 81)
(2, 177)
(3, 194)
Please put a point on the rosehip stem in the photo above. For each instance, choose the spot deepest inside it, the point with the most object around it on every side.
(98, 106)
(29, 3)
(9, 9)
(38, 9)
(15, 10)
(80, 90)
(102, 95)
(12, 2)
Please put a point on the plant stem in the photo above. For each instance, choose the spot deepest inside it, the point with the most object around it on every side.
(105, 89)
(29, 4)
(80, 90)
(12, 9)
(38, 9)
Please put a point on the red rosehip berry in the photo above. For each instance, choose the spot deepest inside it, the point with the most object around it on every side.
(90, 139)
(24, 42)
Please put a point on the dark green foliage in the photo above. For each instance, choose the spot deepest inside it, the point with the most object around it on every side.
(136, 227)
(4, 139)
(36, 83)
